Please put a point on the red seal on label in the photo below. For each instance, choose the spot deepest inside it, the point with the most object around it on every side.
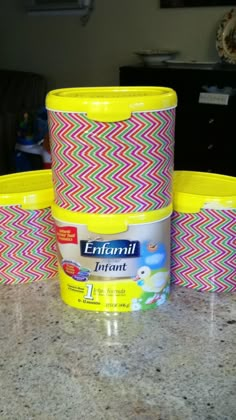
(71, 268)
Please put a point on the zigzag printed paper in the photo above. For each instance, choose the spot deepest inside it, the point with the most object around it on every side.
(27, 245)
(119, 167)
(203, 255)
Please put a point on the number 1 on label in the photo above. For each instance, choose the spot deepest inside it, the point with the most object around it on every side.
(89, 292)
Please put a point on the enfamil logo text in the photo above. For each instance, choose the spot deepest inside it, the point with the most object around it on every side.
(110, 249)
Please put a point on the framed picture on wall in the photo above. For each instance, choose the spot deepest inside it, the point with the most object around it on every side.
(195, 3)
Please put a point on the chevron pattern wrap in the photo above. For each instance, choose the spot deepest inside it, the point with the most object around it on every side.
(204, 250)
(120, 167)
(27, 245)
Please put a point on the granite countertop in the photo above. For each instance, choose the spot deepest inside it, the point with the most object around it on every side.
(174, 363)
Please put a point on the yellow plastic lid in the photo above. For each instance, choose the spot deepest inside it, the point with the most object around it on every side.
(109, 223)
(110, 104)
(30, 190)
(194, 191)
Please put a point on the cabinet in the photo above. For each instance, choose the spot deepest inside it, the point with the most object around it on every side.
(205, 138)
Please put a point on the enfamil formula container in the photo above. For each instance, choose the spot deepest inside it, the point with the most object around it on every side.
(112, 165)
(113, 263)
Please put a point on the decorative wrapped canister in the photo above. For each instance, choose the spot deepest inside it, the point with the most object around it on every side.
(203, 254)
(113, 263)
(27, 237)
(112, 148)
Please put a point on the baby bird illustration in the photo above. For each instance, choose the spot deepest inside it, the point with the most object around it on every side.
(152, 282)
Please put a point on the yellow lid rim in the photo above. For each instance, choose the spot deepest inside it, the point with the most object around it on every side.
(193, 202)
(110, 104)
(29, 198)
(110, 223)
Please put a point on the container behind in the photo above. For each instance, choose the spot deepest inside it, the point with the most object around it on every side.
(27, 241)
(203, 254)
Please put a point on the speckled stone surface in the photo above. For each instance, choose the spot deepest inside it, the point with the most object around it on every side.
(174, 363)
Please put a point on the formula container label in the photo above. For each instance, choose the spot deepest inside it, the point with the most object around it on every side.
(129, 271)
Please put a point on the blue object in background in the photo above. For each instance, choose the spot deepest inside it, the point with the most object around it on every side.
(21, 162)
(31, 131)
(41, 125)
(24, 162)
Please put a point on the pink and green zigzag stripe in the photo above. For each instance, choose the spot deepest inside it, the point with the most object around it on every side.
(112, 167)
(27, 246)
(204, 250)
